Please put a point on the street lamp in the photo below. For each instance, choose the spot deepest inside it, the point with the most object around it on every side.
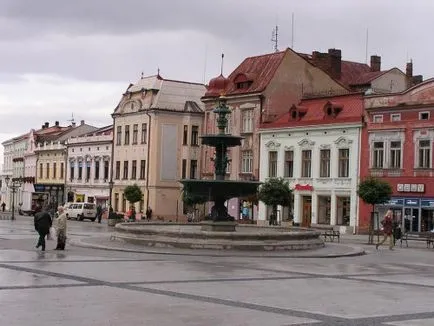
(111, 183)
(14, 184)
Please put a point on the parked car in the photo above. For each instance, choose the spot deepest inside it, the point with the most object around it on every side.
(81, 211)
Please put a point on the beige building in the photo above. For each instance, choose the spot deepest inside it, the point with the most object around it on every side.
(156, 142)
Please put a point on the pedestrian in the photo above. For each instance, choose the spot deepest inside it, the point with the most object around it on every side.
(3, 206)
(43, 223)
(387, 224)
(148, 213)
(61, 228)
(99, 213)
(132, 214)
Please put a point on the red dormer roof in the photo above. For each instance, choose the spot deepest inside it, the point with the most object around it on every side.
(257, 70)
(344, 109)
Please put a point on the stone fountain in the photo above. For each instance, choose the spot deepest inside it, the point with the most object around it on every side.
(220, 190)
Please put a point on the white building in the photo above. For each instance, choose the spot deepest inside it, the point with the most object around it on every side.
(315, 146)
(88, 167)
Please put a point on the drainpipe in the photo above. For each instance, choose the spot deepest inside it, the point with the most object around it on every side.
(147, 159)
(65, 193)
(111, 163)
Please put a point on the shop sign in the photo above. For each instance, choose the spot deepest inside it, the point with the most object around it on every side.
(395, 202)
(410, 187)
(39, 188)
(411, 202)
(300, 187)
(427, 203)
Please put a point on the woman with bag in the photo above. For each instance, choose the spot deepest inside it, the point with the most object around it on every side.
(61, 228)
(387, 230)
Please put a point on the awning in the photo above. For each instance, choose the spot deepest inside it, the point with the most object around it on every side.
(28, 187)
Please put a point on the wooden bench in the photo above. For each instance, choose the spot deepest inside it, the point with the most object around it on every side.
(329, 232)
(427, 237)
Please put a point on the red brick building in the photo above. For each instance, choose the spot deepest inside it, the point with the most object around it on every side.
(397, 146)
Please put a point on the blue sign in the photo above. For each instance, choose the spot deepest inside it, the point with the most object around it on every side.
(39, 188)
(394, 202)
(412, 202)
(427, 203)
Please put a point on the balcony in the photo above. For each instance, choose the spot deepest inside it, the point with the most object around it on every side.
(423, 172)
(90, 139)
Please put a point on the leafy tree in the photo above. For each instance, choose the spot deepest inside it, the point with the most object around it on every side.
(274, 192)
(133, 193)
(374, 191)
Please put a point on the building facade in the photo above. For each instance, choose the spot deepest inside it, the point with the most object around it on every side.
(156, 142)
(88, 166)
(398, 147)
(260, 89)
(315, 146)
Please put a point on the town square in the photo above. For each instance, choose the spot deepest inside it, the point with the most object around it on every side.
(221, 163)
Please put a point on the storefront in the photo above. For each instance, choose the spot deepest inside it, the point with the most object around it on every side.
(414, 214)
(53, 194)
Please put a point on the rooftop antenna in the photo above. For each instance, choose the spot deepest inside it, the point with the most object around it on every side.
(142, 75)
(275, 38)
(221, 65)
(292, 31)
(366, 49)
(158, 71)
(72, 118)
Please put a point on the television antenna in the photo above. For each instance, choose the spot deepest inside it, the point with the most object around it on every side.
(275, 38)
(72, 118)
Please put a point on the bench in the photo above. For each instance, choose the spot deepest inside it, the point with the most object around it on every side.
(329, 232)
(427, 237)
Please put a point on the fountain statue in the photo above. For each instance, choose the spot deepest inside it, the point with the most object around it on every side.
(220, 190)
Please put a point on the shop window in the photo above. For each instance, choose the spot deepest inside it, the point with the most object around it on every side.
(324, 204)
(343, 210)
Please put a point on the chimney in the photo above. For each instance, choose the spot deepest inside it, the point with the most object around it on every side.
(375, 63)
(73, 124)
(335, 60)
(82, 122)
(56, 123)
(43, 126)
(409, 69)
(46, 124)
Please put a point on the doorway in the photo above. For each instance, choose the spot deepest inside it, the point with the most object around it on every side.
(307, 211)
(411, 220)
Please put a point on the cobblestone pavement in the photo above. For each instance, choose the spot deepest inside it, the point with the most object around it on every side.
(84, 286)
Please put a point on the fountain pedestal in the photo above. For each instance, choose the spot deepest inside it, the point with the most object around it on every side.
(222, 226)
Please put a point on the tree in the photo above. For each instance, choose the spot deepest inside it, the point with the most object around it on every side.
(133, 193)
(374, 191)
(274, 192)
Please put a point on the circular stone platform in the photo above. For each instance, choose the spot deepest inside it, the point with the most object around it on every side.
(190, 236)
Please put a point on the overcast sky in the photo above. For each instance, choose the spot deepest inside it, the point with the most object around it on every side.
(64, 57)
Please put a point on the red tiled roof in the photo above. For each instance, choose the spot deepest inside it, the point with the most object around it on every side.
(259, 70)
(350, 109)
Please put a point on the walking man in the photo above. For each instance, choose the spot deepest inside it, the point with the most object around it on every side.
(43, 223)
(3, 206)
(387, 230)
(148, 213)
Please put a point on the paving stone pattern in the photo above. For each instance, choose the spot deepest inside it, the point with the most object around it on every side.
(85, 286)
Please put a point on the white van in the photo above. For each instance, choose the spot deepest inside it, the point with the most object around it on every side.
(81, 211)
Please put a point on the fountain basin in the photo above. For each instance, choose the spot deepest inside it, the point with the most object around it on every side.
(226, 189)
(191, 236)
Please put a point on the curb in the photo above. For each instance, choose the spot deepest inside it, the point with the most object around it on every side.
(355, 251)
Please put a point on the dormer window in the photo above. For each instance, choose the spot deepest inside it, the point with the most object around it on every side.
(297, 112)
(244, 80)
(332, 109)
(244, 85)
(423, 115)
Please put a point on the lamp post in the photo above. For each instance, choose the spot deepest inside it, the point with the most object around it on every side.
(14, 184)
(111, 183)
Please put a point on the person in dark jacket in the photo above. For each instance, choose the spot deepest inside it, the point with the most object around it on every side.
(43, 223)
(387, 230)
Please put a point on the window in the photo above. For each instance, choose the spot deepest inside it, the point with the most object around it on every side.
(80, 170)
(193, 169)
(48, 171)
(71, 169)
(247, 162)
(185, 135)
(423, 115)
(195, 135)
(378, 118)
(41, 169)
(118, 170)
(324, 163)
(135, 133)
(395, 154)
(88, 164)
(272, 164)
(142, 169)
(106, 170)
(134, 170)
(54, 170)
(61, 170)
(344, 163)
(119, 135)
(289, 164)
(395, 117)
(184, 169)
(127, 135)
(424, 154)
(247, 117)
(116, 208)
(96, 169)
(144, 133)
(378, 155)
(125, 176)
(306, 163)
